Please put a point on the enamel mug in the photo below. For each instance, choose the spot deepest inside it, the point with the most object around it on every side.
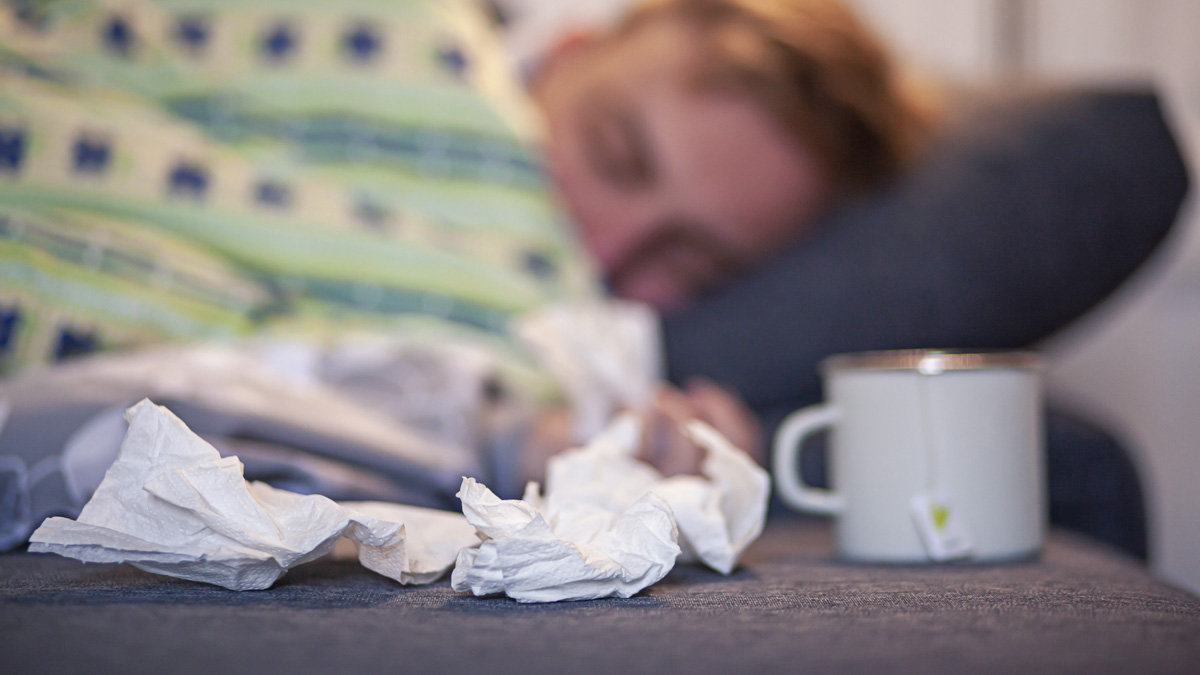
(932, 456)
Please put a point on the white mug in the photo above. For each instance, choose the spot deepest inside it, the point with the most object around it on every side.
(933, 455)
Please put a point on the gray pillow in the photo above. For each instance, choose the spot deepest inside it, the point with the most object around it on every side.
(1023, 216)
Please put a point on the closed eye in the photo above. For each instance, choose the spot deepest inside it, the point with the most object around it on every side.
(617, 148)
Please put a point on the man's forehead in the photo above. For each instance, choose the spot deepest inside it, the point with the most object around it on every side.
(661, 49)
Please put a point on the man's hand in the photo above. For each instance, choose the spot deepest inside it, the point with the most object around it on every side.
(664, 444)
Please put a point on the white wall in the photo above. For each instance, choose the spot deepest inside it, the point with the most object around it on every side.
(955, 38)
(1135, 363)
(1139, 364)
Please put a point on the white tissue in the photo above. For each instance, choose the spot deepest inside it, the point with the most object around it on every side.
(171, 505)
(611, 525)
(719, 513)
(605, 355)
(433, 539)
(594, 554)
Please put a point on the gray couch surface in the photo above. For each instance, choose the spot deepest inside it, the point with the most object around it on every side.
(791, 607)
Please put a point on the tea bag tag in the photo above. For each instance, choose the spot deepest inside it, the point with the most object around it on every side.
(939, 527)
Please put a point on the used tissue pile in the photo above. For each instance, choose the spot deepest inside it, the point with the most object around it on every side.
(608, 524)
(170, 504)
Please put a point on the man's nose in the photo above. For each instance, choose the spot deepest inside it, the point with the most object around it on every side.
(617, 238)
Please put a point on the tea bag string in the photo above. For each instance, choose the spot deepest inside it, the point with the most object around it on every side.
(929, 437)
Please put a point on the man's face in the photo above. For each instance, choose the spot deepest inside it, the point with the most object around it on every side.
(673, 190)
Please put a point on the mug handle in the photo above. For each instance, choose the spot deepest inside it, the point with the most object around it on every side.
(786, 459)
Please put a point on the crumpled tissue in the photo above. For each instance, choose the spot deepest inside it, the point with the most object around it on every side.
(171, 505)
(611, 525)
(605, 355)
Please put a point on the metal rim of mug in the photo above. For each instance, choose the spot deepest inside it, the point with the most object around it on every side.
(932, 361)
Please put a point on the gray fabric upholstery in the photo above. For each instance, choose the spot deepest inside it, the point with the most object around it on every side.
(790, 608)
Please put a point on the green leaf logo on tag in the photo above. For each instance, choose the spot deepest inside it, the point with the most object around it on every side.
(940, 513)
(939, 526)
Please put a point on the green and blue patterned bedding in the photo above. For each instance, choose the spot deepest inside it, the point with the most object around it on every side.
(186, 169)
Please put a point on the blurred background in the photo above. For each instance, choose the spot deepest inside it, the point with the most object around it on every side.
(446, 184)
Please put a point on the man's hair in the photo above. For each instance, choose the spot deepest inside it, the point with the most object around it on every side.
(815, 67)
